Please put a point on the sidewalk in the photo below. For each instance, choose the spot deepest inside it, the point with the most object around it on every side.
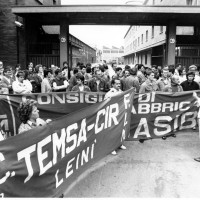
(155, 168)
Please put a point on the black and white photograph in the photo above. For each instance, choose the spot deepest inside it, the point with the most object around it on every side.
(99, 99)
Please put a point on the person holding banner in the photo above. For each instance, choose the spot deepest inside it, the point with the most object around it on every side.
(197, 103)
(114, 90)
(2, 134)
(29, 116)
(190, 84)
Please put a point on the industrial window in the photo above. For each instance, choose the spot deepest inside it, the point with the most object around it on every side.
(138, 41)
(106, 51)
(147, 35)
(161, 29)
(145, 58)
(142, 38)
(189, 2)
(41, 1)
(114, 51)
(152, 32)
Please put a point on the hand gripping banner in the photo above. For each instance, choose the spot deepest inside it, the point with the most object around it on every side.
(46, 160)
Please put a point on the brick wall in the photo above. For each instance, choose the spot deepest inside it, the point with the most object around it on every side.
(13, 50)
(8, 47)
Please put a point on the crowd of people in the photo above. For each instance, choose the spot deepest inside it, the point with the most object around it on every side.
(39, 78)
(42, 79)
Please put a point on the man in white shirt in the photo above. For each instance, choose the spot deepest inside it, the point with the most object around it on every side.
(115, 90)
(21, 86)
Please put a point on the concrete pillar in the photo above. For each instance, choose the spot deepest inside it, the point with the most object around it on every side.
(71, 56)
(171, 43)
(64, 42)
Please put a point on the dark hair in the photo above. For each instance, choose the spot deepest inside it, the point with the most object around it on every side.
(26, 73)
(46, 72)
(171, 68)
(101, 68)
(113, 81)
(88, 65)
(139, 66)
(75, 70)
(7, 68)
(118, 69)
(154, 66)
(190, 73)
(64, 68)
(37, 68)
(17, 66)
(180, 71)
(82, 66)
(65, 62)
(88, 69)
(133, 71)
(20, 73)
(105, 66)
(78, 64)
(127, 67)
(80, 76)
(57, 71)
(148, 72)
(157, 75)
(177, 65)
(25, 109)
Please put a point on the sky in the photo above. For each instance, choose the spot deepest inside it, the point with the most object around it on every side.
(99, 35)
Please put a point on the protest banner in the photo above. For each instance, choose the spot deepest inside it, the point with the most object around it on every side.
(153, 114)
(46, 160)
(158, 114)
(50, 105)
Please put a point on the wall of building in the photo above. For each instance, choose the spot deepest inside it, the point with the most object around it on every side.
(173, 2)
(113, 54)
(13, 39)
(139, 39)
(135, 43)
(38, 2)
(8, 33)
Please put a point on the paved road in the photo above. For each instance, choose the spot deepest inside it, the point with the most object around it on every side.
(156, 168)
